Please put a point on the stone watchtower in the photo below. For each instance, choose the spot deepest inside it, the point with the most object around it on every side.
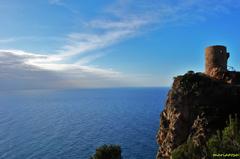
(216, 60)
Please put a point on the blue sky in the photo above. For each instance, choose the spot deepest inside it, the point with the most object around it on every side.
(110, 43)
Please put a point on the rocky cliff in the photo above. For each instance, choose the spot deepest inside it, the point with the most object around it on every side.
(196, 106)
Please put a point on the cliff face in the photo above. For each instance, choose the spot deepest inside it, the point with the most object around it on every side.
(197, 105)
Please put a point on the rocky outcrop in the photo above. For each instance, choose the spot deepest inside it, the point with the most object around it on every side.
(231, 77)
(196, 106)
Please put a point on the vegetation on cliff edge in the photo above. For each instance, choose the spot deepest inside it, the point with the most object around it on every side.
(226, 141)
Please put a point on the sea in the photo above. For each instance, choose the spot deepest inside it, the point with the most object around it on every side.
(71, 124)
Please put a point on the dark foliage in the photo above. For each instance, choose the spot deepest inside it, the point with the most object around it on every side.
(108, 152)
(226, 141)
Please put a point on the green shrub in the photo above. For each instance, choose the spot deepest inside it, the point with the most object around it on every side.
(187, 151)
(226, 141)
(108, 152)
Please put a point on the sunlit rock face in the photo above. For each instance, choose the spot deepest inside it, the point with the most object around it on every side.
(194, 95)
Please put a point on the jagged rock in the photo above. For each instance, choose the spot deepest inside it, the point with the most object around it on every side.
(199, 131)
(191, 95)
(199, 136)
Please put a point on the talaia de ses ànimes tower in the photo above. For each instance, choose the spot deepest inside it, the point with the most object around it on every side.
(216, 66)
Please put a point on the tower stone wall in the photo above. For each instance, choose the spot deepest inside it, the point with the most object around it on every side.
(216, 60)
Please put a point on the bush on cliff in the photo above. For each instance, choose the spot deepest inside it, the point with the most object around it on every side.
(187, 151)
(108, 152)
(226, 141)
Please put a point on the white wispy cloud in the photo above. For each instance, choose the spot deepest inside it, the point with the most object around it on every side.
(129, 24)
(129, 18)
(79, 43)
(51, 62)
(87, 59)
(24, 70)
(164, 12)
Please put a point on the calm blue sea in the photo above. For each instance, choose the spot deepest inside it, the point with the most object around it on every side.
(70, 124)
